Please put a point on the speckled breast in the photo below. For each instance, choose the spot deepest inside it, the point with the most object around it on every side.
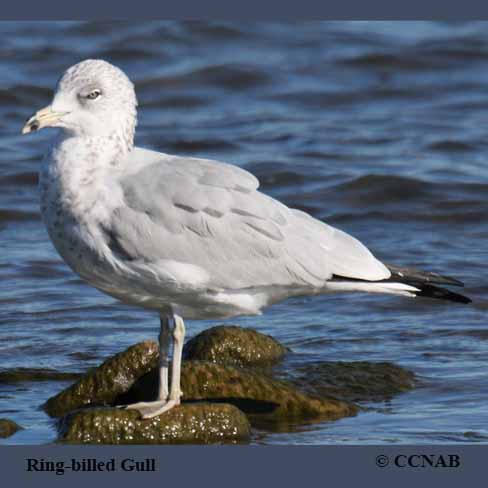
(70, 236)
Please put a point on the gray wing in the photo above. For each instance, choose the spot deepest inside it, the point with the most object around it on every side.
(204, 220)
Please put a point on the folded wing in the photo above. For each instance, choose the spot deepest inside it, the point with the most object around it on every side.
(210, 217)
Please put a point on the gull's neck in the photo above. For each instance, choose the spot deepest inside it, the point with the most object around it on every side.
(77, 174)
(84, 159)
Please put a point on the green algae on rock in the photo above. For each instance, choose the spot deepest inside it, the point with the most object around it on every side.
(196, 423)
(20, 375)
(131, 376)
(229, 344)
(8, 428)
(103, 384)
(354, 381)
(256, 393)
(252, 392)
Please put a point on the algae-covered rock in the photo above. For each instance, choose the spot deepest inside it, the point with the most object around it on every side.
(255, 392)
(20, 375)
(132, 376)
(354, 381)
(251, 391)
(8, 427)
(229, 344)
(314, 392)
(198, 423)
(103, 384)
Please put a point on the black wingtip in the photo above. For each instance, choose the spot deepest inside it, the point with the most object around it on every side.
(431, 291)
(405, 274)
(425, 282)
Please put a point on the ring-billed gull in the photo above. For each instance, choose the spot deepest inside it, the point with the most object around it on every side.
(189, 238)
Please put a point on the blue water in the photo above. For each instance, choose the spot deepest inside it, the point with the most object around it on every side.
(380, 129)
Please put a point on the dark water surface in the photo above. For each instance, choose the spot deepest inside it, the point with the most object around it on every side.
(378, 128)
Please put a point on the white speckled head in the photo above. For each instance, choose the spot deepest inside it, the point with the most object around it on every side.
(96, 99)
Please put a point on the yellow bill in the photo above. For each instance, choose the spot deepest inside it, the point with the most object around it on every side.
(44, 118)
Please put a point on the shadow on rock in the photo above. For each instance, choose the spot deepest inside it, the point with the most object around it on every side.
(254, 392)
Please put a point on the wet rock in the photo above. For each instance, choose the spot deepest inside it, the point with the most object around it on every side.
(132, 376)
(198, 423)
(8, 427)
(229, 344)
(354, 381)
(252, 392)
(18, 375)
(102, 385)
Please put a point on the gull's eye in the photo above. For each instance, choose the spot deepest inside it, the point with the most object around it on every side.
(93, 95)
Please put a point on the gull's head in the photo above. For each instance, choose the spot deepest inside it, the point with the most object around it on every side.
(92, 99)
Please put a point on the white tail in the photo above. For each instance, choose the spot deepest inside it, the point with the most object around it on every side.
(373, 287)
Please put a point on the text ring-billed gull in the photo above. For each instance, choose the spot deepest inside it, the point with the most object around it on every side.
(190, 238)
